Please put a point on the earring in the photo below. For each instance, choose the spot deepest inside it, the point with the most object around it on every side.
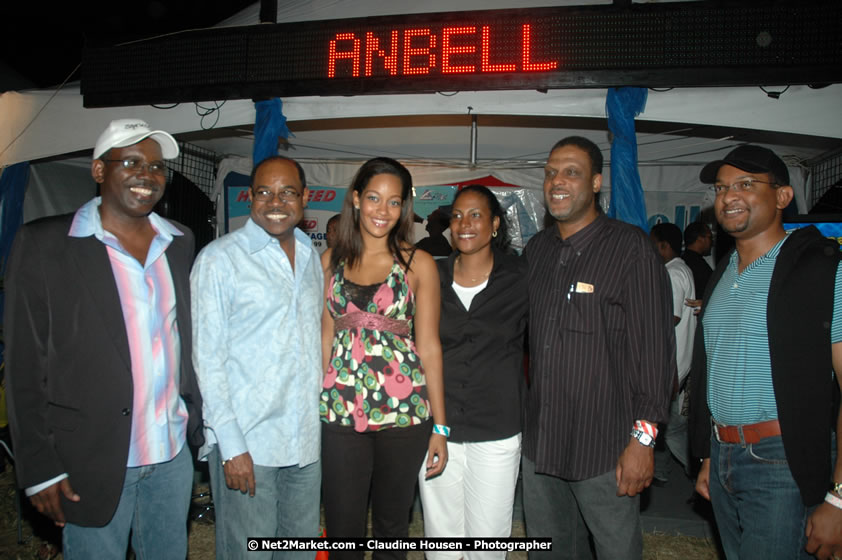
(494, 233)
(356, 207)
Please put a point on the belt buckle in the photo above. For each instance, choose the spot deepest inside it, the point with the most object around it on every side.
(740, 434)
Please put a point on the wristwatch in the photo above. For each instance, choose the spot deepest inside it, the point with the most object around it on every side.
(836, 487)
(643, 438)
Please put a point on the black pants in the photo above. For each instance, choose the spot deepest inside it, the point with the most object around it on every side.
(386, 463)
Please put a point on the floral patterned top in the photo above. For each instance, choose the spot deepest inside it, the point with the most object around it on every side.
(375, 379)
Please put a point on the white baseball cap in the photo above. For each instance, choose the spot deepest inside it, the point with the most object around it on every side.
(125, 132)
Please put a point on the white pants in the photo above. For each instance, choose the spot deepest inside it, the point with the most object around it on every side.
(474, 495)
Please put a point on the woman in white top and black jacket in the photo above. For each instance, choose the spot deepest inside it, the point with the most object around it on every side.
(482, 328)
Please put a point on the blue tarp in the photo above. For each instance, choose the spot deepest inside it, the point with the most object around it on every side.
(270, 124)
(12, 189)
(627, 204)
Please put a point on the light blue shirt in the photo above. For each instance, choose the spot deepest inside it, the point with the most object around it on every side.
(740, 389)
(257, 347)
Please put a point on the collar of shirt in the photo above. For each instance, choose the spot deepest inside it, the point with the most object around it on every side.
(498, 263)
(734, 260)
(87, 222)
(580, 240)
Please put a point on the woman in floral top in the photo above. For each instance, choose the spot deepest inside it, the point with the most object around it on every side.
(382, 360)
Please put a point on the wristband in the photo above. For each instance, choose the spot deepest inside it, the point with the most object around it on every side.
(646, 428)
(835, 501)
(441, 430)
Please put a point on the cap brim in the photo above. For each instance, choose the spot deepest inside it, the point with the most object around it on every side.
(709, 171)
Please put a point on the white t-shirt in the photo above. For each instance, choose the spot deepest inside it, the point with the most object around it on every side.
(681, 279)
(466, 295)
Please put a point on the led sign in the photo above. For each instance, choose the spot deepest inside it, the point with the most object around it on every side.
(456, 50)
(427, 52)
(669, 44)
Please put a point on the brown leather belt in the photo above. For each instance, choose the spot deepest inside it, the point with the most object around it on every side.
(747, 433)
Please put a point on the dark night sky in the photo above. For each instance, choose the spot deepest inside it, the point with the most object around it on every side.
(42, 41)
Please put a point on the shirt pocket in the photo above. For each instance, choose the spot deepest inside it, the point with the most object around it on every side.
(580, 312)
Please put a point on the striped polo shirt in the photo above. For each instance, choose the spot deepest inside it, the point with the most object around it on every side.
(740, 389)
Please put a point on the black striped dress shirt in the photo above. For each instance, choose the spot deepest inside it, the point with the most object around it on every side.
(601, 342)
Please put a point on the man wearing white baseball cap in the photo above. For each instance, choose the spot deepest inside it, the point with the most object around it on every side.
(102, 394)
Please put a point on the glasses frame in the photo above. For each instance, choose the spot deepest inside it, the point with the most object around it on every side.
(720, 188)
(134, 164)
(284, 195)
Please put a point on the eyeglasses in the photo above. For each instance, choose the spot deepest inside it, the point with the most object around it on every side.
(155, 168)
(266, 195)
(744, 185)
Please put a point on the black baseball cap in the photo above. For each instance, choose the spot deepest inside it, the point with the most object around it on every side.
(752, 159)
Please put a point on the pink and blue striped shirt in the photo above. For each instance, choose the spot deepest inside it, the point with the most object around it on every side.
(148, 301)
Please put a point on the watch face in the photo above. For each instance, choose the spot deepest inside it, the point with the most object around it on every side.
(643, 438)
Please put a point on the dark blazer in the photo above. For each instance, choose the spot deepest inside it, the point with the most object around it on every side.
(68, 368)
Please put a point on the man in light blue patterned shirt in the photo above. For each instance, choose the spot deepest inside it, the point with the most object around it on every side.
(257, 305)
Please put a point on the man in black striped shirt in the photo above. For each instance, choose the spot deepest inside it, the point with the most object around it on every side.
(602, 351)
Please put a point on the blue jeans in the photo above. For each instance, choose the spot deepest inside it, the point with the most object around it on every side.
(756, 502)
(552, 508)
(285, 504)
(153, 507)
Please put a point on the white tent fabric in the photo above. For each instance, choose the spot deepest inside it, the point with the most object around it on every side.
(41, 123)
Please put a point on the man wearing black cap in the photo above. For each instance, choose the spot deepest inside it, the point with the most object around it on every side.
(768, 338)
(101, 391)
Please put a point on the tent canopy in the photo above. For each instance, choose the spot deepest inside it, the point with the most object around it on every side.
(514, 125)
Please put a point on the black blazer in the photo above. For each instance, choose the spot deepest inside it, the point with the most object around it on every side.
(68, 368)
